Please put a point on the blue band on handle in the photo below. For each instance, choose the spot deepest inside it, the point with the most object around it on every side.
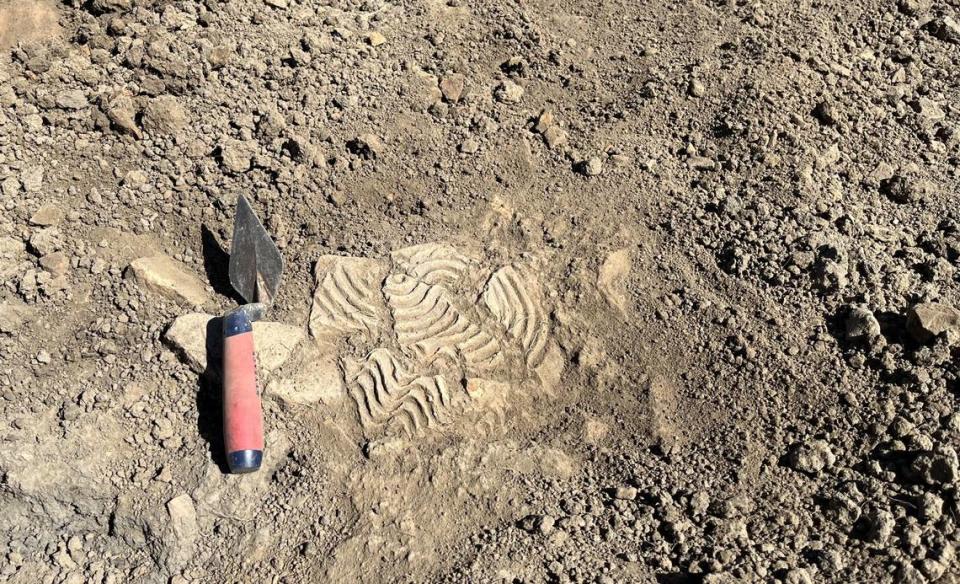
(243, 461)
(236, 322)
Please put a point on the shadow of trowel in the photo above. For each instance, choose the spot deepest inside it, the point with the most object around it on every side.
(209, 396)
(216, 264)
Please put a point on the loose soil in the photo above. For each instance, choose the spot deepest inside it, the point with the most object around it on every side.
(574, 292)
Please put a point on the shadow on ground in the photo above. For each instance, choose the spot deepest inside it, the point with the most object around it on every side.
(209, 396)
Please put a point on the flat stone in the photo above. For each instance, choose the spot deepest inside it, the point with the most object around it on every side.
(612, 277)
(930, 319)
(452, 87)
(57, 263)
(14, 315)
(48, 215)
(168, 277)
(32, 179)
(188, 336)
(312, 375)
(375, 39)
(183, 517)
(273, 342)
(73, 99)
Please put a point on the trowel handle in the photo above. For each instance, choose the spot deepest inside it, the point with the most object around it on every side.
(242, 410)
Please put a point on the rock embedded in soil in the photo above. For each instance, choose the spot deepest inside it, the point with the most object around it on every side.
(32, 179)
(611, 279)
(274, 342)
(904, 190)
(48, 215)
(508, 92)
(452, 86)
(72, 100)
(946, 29)
(10, 186)
(696, 88)
(936, 467)
(552, 133)
(880, 525)
(310, 376)
(544, 120)
(56, 263)
(236, 156)
(375, 39)
(46, 241)
(183, 522)
(930, 110)
(861, 323)
(367, 146)
(111, 5)
(593, 166)
(13, 316)
(164, 115)
(121, 112)
(168, 277)
(826, 113)
(469, 146)
(811, 457)
(930, 319)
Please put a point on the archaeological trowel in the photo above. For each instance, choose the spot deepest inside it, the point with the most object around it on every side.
(255, 269)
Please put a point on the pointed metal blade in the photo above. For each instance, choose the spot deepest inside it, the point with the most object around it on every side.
(255, 262)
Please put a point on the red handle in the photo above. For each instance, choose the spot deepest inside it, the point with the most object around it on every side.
(242, 410)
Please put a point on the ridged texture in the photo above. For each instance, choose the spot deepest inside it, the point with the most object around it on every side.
(432, 263)
(514, 300)
(447, 324)
(389, 397)
(347, 296)
(428, 326)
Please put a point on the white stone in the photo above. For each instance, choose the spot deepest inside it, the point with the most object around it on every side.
(273, 342)
(170, 278)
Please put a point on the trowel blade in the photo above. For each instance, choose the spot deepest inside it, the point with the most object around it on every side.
(255, 262)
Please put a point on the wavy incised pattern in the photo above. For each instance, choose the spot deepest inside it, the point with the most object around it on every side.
(460, 345)
(509, 297)
(432, 263)
(388, 396)
(347, 296)
(428, 325)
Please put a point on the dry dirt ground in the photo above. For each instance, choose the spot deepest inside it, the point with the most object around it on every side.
(601, 292)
